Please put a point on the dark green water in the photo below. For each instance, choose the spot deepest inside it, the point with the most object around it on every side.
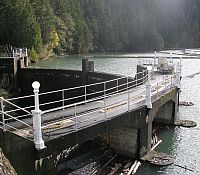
(182, 143)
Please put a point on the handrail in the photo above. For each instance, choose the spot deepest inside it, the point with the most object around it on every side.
(17, 106)
(73, 88)
(14, 118)
(90, 100)
(86, 87)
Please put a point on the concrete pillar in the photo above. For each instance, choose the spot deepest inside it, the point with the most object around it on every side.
(26, 61)
(167, 113)
(20, 53)
(39, 143)
(145, 138)
(148, 89)
(87, 66)
(124, 141)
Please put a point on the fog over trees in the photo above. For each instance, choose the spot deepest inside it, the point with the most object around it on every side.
(82, 26)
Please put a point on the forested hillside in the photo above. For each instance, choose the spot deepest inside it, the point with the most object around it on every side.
(82, 26)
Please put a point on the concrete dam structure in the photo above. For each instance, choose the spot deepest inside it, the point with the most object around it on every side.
(63, 109)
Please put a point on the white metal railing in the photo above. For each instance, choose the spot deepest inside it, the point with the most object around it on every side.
(20, 52)
(8, 115)
(101, 89)
(6, 55)
(16, 52)
(104, 90)
(124, 93)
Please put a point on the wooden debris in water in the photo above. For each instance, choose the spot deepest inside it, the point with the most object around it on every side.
(115, 169)
(134, 167)
(184, 167)
(105, 165)
(192, 75)
(156, 144)
(186, 103)
(157, 158)
(185, 123)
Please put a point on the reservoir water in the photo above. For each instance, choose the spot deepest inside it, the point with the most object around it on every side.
(181, 143)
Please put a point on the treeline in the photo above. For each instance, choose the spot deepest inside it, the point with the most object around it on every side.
(82, 26)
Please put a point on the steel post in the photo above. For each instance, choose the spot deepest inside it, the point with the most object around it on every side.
(104, 99)
(148, 89)
(63, 98)
(2, 114)
(178, 78)
(85, 88)
(75, 114)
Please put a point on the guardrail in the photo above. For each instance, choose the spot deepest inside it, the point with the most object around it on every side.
(16, 52)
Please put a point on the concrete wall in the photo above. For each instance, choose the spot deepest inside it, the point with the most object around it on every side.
(50, 79)
(165, 113)
(124, 141)
(8, 73)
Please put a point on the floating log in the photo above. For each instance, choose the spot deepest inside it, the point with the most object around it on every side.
(136, 167)
(186, 103)
(126, 167)
(115, 169)
(106, 164)
(156, 144)
(132, 167)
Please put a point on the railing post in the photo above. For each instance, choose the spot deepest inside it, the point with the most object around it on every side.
(26, 52)
(117, 85)
(178, 78)
(75, 114)
(148, 89)
(39, 143)
(13, 52)
(2, 113)
(85, 88)
(63, 98)
(180, 67)
(136, 79)
(157, 90)
(104, 87)
(128, 94)
(20, 52)
(143, 77)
